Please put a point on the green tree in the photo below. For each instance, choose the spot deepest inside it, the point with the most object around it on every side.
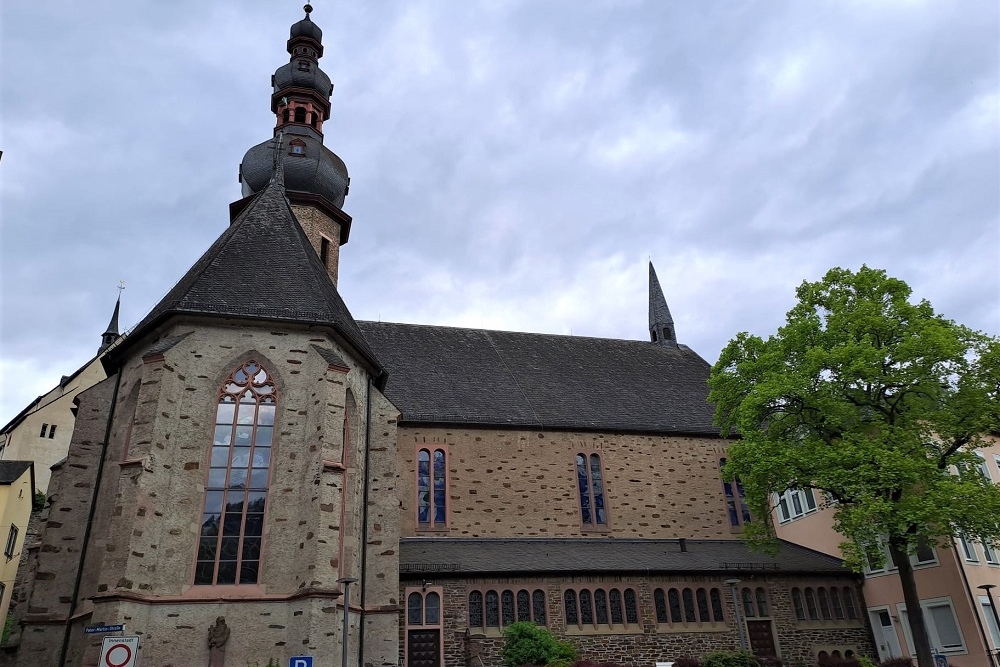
(877, 403)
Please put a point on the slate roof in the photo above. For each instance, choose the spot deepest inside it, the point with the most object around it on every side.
(477, 557)
(10, 471)
(261, 267)
(447, 375)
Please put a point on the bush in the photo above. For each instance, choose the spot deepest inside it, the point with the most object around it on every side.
(730, 659)
(528, 644)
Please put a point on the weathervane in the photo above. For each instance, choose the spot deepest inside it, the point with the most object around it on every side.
(121, 288)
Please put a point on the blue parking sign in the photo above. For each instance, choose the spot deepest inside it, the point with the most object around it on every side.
(301, 661)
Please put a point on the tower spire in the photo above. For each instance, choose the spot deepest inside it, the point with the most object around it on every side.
(661, 324)
(111, 334)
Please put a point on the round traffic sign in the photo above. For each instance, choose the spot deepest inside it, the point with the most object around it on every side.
(118, 655)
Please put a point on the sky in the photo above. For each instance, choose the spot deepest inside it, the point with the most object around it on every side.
(514, 164)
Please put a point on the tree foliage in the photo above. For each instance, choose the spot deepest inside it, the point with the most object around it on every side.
(529, 644)
(877, 403)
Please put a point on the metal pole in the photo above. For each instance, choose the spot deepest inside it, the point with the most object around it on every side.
(987, 588)
(732, 583)
(346, 581)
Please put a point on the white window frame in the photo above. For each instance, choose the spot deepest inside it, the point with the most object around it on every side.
(932, 632)
(983, 468)
(968, 549)
(786, 504)
(890, 566)
(990, 552)
(991, 623)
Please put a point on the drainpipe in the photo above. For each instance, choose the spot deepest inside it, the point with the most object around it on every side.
(364, 527)
(90, 522)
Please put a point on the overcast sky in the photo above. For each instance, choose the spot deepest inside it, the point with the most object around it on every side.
(513, 163)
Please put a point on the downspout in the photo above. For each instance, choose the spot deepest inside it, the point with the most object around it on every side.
(90, 522)
(974, 599)
(364, 526)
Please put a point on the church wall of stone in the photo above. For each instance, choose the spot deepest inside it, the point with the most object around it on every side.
(518, 483)
(140, 563)
(650, 642)
(318, 225)
(382, 601)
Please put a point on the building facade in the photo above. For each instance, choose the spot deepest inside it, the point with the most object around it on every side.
(955, 582)
(259, 471)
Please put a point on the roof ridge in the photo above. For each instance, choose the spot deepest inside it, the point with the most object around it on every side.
(516, 333)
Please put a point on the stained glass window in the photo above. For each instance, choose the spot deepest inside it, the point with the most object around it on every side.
(432, 609)
(601, 606)
(507, 608)
(523, 606)
(824, 604)
(492, 609)
(569, 608)
(762, 602)
(703, 614)
(476, 610)
(586, 608)
(838, 607)
(660, 603)
(590, 481)
(800, 612)
(232, 524)
(432, 488)
(675, 606)
(717, 605)
(631, 608)
(415, 609)
(735, 497)
(811, 605)
(749, 609)
(689, 615)
(538, 606)
(617, 615)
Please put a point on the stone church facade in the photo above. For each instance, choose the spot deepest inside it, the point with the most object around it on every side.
(259, 457)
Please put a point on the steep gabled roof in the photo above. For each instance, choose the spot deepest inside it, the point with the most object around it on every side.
(11, 471)
(261, 267)
(447, 375)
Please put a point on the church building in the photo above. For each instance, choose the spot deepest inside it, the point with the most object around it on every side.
(261, 476)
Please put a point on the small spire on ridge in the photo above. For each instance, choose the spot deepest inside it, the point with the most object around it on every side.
(661, 324)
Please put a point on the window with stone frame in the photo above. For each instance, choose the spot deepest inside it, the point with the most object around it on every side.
(825, 605)
(232, 524)
(755, 603)
(600, 609)
(590, 483)
(432, 488)
(493, 609)
(689, 609)
(735, 497)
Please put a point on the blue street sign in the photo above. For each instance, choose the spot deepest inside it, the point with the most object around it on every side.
(301, 661)
(95, 629)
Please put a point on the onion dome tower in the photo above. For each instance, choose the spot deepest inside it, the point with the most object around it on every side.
(315, 179)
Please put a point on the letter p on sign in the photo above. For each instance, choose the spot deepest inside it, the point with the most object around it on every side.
(301, 661)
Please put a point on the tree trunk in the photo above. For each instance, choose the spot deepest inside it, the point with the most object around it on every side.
(914, 612)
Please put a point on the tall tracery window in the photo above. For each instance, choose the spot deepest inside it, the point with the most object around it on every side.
(236, 494)
(590, 479)
(432, 489)
(739, 513)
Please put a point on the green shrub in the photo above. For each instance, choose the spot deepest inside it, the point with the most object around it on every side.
(730, 659)
(8, 627)
(528, 644)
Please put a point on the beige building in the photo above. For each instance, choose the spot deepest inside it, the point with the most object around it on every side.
(17, 491)
(259, 471)
(950, 582)
(41, 432)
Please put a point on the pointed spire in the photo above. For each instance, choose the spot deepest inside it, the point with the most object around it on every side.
(661, 324)
(111, 334)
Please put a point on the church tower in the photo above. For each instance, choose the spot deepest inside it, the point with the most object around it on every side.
(226, 474)
(316, 180)
(661, 324)
(111, 334)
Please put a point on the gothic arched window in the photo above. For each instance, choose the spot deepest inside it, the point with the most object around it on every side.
(300, 114)
(432, 489)
(590, 481)
(236, 493)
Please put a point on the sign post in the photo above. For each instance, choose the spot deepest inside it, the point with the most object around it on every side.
(119, 651)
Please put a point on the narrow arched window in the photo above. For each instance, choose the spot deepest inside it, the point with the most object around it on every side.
(749, 609)
(852, 612)
(590, 481)
(631, 607)
(601, 606)
(762, 602)
(538, 604)
(838, 607)
(314, 118)
(507, 608)
(660, 603)
(286, 115)
(824, 603)
(586, 608)
(800, 612)
(300, 114)
(717, 605)
(236, 493)
(432, 489)
(617, 610)
(570, 612)
(492, 609)
(476, 610)
(811, 605)
(675, 606)
(689, 615)
(703, 614)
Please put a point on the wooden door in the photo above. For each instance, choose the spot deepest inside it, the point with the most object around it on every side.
(761, 638)
(423, 648)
